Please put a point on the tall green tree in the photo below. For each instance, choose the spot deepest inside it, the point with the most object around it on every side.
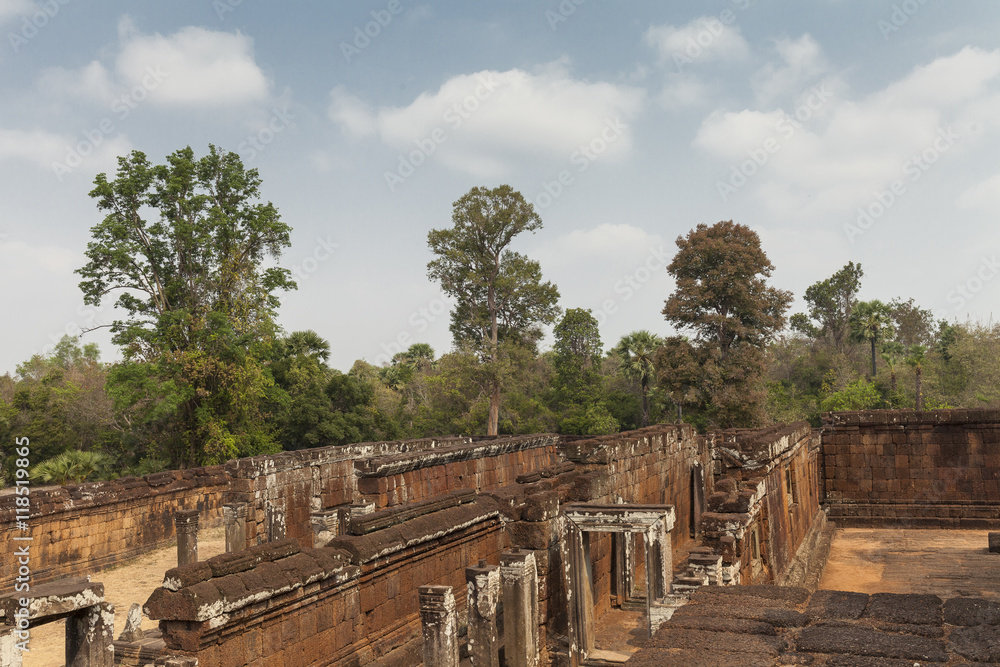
(500, 293)
(870, 322)
(577, 351)
(915, 359)
(638, 351)
(831, 302)
(723, 298)
(185, 245)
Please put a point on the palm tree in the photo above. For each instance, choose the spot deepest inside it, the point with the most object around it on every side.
(916, 360)
(70, 466)
(869, 321)
(636, 351)
(892, 353)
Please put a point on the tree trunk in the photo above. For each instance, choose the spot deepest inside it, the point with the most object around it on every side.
(873, 357)
(645, 405)
(491, 427)
(920, 396)
(892, 381)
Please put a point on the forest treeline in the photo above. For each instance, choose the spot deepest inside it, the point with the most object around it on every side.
(208, 375)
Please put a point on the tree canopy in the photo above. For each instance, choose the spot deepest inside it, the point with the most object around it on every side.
(199, 297)
(500, 293)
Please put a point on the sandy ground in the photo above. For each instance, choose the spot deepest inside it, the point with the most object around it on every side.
(123, 585)
(947, 563)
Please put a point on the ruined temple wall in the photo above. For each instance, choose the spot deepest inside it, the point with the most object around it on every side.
(767, 500)
(285, 488)
(484, 466)
(936, 468)
(354, 602)
(659, 465)
(793, 500)
(82, 528)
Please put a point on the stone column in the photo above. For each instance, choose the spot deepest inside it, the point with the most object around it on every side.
(275, 523)
(520, 607)
(10, 652)
(483, 583)
(440, 626)
(235, 517)
(186, 522)
(89, 637)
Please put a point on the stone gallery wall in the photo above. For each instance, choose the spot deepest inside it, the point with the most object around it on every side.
(766, 502)
(936, 468)
(82, 528)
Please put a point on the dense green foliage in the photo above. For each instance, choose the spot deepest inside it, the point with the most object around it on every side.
(208, 374)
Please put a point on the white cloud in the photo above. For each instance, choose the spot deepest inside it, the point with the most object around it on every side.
(983, 196)
(836, 156)
(802, 61)
(193, 67)
(955, 79)
(92, 150)
(482, 123)
(12, 8)
(705, 39)
(93, 81)
(683, 90)
(351, 113)
(203, 68)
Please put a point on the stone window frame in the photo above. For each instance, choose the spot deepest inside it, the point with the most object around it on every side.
(653, 522)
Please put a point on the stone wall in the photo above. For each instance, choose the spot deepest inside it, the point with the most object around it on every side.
(767, 501)
(82, 528)
(937, 468)
(285, 488)
(484, 466)
(353, 602)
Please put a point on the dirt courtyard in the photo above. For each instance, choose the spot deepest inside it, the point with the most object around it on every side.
(946, 563)
(123, 585)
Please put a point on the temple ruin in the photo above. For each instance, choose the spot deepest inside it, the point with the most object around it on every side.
(518, 550)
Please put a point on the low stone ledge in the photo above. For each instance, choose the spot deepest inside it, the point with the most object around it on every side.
(876, 418)
(382, 519)
(378, 544)
(385, 466)
(216, 596)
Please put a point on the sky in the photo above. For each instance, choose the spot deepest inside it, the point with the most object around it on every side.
(838, 130)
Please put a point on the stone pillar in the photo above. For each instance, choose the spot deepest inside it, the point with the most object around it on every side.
(89, 637)
(132, 632)
(186, 522)
(520, 607)
(235, 517)
(275, 523)
(483, 582)
(10, 653)
(440, 626)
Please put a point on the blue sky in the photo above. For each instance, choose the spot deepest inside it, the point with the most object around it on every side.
(839, 130)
